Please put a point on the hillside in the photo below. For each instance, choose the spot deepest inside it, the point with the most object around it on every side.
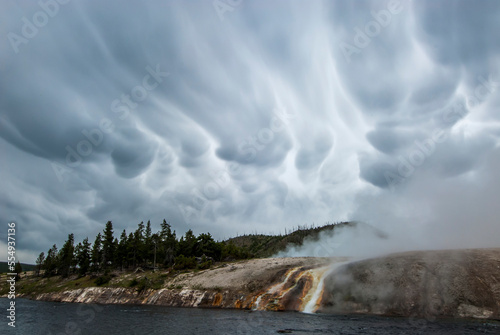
(26, 267)
(262, 246)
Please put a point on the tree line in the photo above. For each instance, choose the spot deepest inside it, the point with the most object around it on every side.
(141, 248)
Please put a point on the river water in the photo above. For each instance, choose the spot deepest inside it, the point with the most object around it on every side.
(36, 317)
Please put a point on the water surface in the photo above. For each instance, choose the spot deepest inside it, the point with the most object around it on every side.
(37, 317)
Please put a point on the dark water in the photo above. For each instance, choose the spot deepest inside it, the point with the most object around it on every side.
(34, 317)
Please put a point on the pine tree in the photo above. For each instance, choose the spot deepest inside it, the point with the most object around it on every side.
(169, 244)
(155, 239)
(97, 253)
(18, 269)
(147, 249)
(132, 251)
(187, 244)
(138, 244)
(165, 229)
(148, 232)
(39, 263)
(108, 247)
(207, 246)
(140, 229)
(51, 261)
(66, 259)
(122, 251)
(115, 254)
(82, 252)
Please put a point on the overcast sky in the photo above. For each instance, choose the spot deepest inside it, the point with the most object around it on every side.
(249, 116)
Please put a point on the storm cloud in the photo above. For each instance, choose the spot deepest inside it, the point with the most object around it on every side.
(254, 116)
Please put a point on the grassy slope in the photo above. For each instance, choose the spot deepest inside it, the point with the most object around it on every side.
(32, 285)
(26, 267)
(268, 245)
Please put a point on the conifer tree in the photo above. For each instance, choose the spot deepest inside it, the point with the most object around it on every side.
(147, 247)
(97, 253)
(187, 244)
(66, 259)
(39, 263)
(122, 251)
(50, 264)
(82, 255)
(108, 246)
(169, 244)
(132, 252)
(138, 244)
(18, 269)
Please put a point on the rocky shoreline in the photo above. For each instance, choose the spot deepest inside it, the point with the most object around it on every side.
(449, 283)
(233, 286)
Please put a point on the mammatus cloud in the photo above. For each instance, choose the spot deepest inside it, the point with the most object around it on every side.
(250, 116)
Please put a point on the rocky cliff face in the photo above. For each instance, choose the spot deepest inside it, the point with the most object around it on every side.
(164, 297)
(422, 284)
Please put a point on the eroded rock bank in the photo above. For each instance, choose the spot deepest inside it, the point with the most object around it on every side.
(233, 286)
(452, 283)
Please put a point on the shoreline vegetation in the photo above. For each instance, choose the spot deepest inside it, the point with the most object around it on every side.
(141, 259)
